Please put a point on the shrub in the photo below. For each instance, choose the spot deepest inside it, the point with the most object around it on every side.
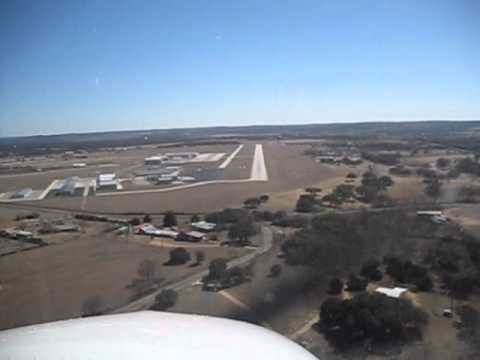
(135, 221)
(170, 219)
(356, 283)
(165, 299)
(370, 270)
(405, 271)
(92, 306)
(400, 171)
(226, 216)
(305, 203)
(335, 286)
(369, 317)
(199, 256)
(264, 198)
(147, 219)
(275, 270)
(252, 203)
(179, 256)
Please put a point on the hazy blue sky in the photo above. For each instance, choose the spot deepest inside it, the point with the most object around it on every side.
(75, 66)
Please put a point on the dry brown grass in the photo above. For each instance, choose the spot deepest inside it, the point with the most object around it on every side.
(51, 283)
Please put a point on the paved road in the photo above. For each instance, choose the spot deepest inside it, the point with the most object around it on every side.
(147, 301)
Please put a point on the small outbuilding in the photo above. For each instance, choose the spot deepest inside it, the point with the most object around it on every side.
(395, 292)
(196, 236)
(107, 181)
(204, 225)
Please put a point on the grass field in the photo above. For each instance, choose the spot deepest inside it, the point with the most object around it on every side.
(51, 283)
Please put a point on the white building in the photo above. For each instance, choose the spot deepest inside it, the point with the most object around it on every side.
(396, 292)
(204, 225)
(150, 230)
(107, 182)
(182, 155)
(429, 213)
(196, 235)
(154, 160)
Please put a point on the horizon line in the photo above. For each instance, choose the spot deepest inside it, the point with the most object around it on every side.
(233, 126)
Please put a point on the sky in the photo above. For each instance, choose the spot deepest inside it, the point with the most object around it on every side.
(82, 66)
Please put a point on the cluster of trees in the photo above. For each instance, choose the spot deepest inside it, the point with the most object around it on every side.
(405, 271)
(467, 166)
(458, 263)
(443, 163)
(275, 270)
(281, 218)
(335, 242)
(239, 222)
(340, 194)
(370, 270)
(135, 221)
(356, 283)
(372, 190)
(179, 256)
(373, 187)
(335, 286)
(372, 317)
(400, 170)
(92, 306)
(254, 202)
(28, 216)
(226, 216)
(433, 188)
(306, 203)
(426, 173)
(469, 330)
(147, 271)
(382, 158)
(242, 230)
(165, 299)
(223, 277)
(313, 190)
(170, 219)
(469, 193)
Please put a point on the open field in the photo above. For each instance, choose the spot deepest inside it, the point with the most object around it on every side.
(51, 283)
